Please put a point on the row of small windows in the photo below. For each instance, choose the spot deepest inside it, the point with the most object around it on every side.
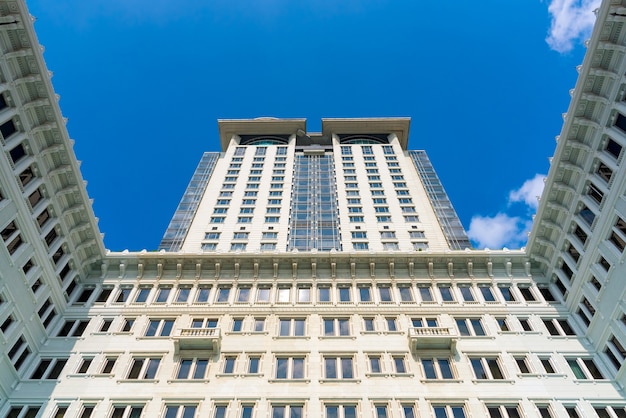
(331, 409)
(278, 366)
(325, 293)
(330, 326)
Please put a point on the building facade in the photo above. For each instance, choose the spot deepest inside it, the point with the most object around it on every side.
(311, 274)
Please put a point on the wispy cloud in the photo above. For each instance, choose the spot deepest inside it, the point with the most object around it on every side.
(505, 230)
(530, 191)
(572, 20)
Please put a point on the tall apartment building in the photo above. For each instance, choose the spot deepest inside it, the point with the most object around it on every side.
(312, 274)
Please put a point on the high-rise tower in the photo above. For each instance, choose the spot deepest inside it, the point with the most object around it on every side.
(311, 274)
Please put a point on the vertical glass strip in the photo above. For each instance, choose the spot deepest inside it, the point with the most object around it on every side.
(448, 219)
(314, 216)
(181, 221)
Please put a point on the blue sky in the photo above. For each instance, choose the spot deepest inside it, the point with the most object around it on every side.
(143, 83)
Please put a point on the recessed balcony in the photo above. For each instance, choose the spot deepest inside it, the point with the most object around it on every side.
(432, 338)
(200, 339)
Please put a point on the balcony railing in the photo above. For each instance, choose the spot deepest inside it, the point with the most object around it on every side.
(428, 338)
(203, 339)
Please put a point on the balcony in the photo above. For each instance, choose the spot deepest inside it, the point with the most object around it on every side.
(432, 338)
(199, 339)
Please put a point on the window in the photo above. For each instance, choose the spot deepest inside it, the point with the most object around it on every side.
(238, 246)
(183, 294)
(337, 327)
(180, 411)
(202, 295)
(340, 411)
(470, 327)
(507, 293)
(323, 293)
(243, 294)
(23, 411)
(558, 327)
(408, 411)
(448, 411)
(384, 292)
(304, 294)
(272, 219)
(527, 294)
(127, 324)
(487, 293)
(144, 368)
(217, 219)
(503, 411)
(269, 235)
(604, 172)
(344, 294)
(204, 323)
(399, 364)
(437, 368)
(615, 351)
(259, 324)
(263, 295)
(289, 367)
(126, 411)
(283, 295)
(368, 324)
(237, 324)
(287, 411)
(425, 293)
(360, 246)
(162, 294)
(466, 292)
(406, 295)
(108, 365)
(486, 368)
(83, 367)
(86, 411)
(338, 367)
(392, 325)
(359, 235)
(375, 363)
(229, 364)
(222, 294)
(584, 368)
(73, 328)
(355, 219)
(446, 293)
(209, 246)
(159, 328)
(381, 411)
(365, 293)
(293, 327)
(49, 368)
(246, 411)
(142, 294)
(220, 411)
(268, 246)
(192, 368)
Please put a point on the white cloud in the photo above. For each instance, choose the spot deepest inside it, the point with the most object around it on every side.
(571, 20)
(529, 192)
(498, 231)
(507, 230)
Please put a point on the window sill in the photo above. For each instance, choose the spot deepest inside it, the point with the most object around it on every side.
(287, 380)
(475, 381)
(542, 375)
(292, 337)
(340, 380)
(188, 381)
(336, 337)
(441, 381)
(138, 381)
(393, 332)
